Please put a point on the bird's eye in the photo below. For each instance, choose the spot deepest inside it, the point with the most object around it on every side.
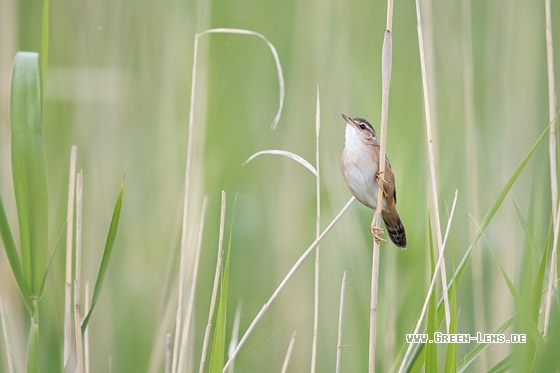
(363, 126)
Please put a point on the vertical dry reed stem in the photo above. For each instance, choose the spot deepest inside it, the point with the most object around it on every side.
(69, 245)
(287, 278)
(340, 318)
(553, 164)
(216, 283)
(317, 232)
(431, 158)
(182, 265)
(289, 353)
(188, 166)
(551, 108)
(78, 274)
(386, 62)
(190, 305)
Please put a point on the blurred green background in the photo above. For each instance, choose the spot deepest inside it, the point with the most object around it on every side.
(118, 86)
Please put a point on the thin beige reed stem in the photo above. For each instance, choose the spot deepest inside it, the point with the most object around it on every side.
(289, 353)
(386, 62)
(283, 283)
(431, 158)
(340, 318)
(190, 305)
(182, 265)
(69, 245)
(317, 232)
(552, 286)
(7, 344)
(78, 274)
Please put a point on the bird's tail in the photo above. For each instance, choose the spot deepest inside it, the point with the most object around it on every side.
(395, 228)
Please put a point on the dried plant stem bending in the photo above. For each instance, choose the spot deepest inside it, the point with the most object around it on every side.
(287, 278)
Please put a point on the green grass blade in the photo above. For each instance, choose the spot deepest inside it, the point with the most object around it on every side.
(502, 366)
(548, 359)
(432, 348)
(12, 254)
(113, 228)
(451, 358)
(523, 306)
(475, 352)
(537, 293)
(28, 169)
(487, 218)
(44, 45)
(497, 203)
(219, 342)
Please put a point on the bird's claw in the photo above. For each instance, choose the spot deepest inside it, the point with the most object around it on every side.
(380, 180)
(376, 233)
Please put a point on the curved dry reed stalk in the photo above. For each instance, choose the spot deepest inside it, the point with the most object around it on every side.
(283, 283)
(188, 167)
(274, 54)
(286, 154)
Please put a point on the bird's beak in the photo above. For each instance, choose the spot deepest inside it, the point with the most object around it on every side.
(348, 119)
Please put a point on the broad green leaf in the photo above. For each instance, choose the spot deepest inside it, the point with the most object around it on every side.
(113, 228)
(28, 169)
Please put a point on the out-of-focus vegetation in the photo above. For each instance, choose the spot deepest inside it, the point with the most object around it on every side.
(118, 86)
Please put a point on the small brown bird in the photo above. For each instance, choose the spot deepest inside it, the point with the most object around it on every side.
(360, 168)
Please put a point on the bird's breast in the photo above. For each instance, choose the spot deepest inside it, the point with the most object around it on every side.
(359, 168)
